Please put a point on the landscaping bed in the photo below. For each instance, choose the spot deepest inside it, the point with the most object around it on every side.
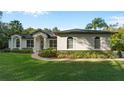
(85, 54)
(76, 54)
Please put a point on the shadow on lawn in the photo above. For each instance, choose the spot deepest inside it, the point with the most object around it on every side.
(59, 71)
(22, 67)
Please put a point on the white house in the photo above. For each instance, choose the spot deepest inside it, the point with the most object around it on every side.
(73, 39)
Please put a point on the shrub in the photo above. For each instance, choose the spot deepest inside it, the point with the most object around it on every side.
(85, 54)
(24, 50)
(50, 52)
(5, 50)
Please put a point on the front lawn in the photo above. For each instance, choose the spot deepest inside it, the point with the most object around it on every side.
(22, 67)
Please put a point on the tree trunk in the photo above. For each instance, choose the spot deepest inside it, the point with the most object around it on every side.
(119, 54)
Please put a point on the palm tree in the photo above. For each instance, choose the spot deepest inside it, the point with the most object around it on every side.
(97, 23)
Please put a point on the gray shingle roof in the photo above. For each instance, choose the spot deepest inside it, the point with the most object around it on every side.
(51, 34)
(27, 36)
(84, 31)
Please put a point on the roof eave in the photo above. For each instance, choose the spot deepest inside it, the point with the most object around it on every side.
(84, 33)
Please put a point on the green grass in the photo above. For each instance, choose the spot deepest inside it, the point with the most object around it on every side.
(23, 67)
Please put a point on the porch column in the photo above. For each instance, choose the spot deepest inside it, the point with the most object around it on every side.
(34, 49)
(12, 43)
(45, 43)
(20, 43)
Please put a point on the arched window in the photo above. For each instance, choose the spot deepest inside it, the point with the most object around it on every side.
(69, 42)
(17, 43)
(97, 43)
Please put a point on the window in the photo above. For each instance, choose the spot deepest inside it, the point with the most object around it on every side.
(17, 43)
(53, 43)
(97, 43)
(30, 43)
(69, 42)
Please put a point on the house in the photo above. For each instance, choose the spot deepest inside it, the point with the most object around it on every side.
(73, 39)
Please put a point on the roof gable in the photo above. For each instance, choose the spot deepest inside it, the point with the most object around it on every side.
(50, 34)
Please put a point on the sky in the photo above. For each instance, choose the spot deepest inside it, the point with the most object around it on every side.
(62, 19)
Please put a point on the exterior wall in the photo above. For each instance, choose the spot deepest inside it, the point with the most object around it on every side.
(80, 41)
(37, 44)
(9, 43)
(47, 43)
(24, 43)
(83, 41)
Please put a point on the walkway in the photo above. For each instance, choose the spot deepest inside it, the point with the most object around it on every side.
(35, 56)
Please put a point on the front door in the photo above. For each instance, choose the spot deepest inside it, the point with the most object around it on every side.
(42, 44)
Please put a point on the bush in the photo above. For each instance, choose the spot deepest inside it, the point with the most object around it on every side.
(50, 52)
(5, 50)
(25, 50)
(85, 54)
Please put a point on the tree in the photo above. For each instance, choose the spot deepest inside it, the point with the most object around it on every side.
(16, 27)
(3, 41)
(113, 27)
(28, 30)
(3, 33)
(89, 26)
(97, 23)
(4, 28)
(8, 29)
(46, 29)
(1, 13)
(117, 42)
(55, 29)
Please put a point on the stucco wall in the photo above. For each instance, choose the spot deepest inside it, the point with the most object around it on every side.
(83, 41)
(9, 43)
(23, 43)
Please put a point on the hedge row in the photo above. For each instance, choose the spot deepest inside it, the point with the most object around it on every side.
(24, 50)
(50, 52)
(76, 54)
(85, 54)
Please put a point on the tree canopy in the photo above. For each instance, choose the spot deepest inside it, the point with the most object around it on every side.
(97, 23)
(117, 41)
(3, 31)
(1, 13)
(16, 27)
(29, 30)
(55, 29)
